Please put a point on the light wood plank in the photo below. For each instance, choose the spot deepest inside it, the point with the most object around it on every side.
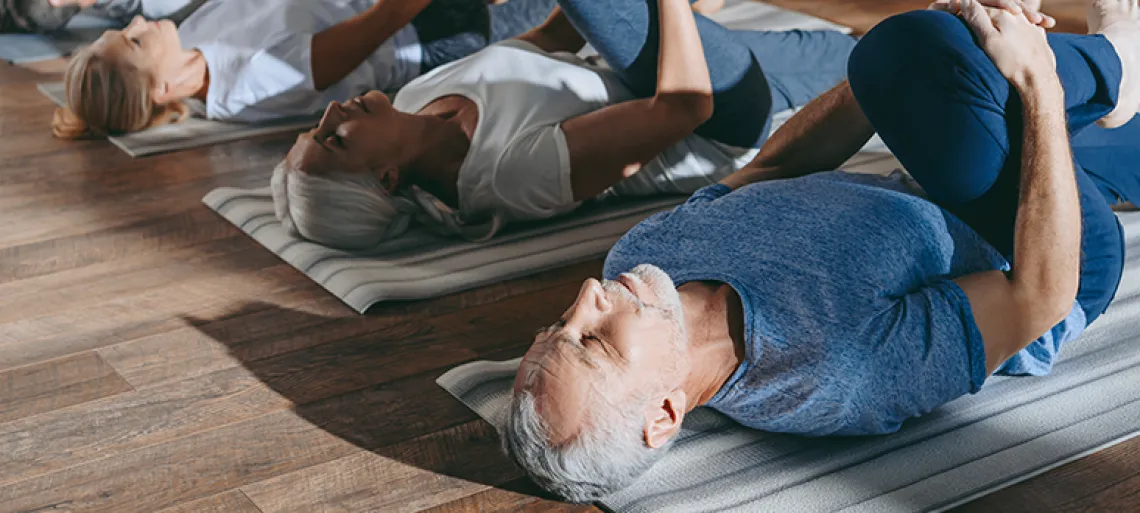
(181, 470)
(55, 384)
(111, 427)
(102, 323)
(232, 501)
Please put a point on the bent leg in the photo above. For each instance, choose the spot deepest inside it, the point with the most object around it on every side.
(450, 30)
(1112, 159)
(799, 64)
(626, 33)
(954, 122)
(124, 10)
(514, 17)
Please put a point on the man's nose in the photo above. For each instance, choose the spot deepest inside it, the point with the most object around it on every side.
(592, 299)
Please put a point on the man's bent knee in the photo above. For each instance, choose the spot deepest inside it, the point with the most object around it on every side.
(910, 46)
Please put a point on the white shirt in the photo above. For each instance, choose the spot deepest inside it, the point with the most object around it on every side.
(259, 52)
(518, 166)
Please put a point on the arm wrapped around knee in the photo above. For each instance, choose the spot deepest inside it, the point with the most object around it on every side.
(344, 211)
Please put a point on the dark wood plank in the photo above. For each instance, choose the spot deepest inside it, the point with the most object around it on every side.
(352, 362)
(296, 321)
(28, 299)
(318, 378)
(518, 496)
(169, 232)
(55, 384)
(1108, 480)
(385, 481)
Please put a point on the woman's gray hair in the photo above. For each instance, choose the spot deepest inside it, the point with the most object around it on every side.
(345, 211)
(354, 211)
(605, 457)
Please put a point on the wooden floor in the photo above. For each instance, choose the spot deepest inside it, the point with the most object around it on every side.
(153, 358)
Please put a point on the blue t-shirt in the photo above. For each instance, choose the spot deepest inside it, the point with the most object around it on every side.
(852, 324)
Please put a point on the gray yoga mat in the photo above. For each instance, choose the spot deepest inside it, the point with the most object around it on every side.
(192, 133)
(1014, 429)
(25, 48)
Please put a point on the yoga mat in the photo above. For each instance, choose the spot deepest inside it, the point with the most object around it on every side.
(1014, 429)
(25, 48)
(192, 133)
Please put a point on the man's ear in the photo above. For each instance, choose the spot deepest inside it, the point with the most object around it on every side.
(663, 418)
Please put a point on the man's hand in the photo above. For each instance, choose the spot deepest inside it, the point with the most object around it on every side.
(1031, 9)
(1018, 48)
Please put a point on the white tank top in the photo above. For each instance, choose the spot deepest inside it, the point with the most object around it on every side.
(518, 166)
(259, 55)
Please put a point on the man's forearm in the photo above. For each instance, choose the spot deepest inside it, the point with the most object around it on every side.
(1047, 240)
(821, 137)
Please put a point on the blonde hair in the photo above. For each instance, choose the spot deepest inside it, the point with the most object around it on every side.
(108, 96)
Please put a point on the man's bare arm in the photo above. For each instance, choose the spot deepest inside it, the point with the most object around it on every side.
(821, 137)
(1012, 311)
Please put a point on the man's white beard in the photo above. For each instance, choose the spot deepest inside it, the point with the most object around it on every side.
(668, 304)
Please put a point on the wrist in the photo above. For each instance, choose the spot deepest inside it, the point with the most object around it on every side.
(1039, 85)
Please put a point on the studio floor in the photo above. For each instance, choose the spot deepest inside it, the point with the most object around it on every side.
(154, 358)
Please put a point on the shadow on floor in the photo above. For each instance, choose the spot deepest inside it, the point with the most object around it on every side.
(370, 380)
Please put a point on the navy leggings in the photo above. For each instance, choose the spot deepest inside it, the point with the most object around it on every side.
(955, 123)
(754, 73)
(450, 30)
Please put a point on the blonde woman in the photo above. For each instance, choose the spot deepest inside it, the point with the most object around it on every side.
(252, 62)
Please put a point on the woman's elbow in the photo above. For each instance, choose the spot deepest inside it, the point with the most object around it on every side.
(689, 109)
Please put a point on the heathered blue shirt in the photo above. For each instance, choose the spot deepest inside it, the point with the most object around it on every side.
(852, 324)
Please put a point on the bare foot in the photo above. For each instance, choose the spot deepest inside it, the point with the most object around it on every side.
(708, 7)
(1119, 22)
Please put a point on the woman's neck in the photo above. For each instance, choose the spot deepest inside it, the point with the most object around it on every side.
(194, 81)
(204, 87)
(447, 140)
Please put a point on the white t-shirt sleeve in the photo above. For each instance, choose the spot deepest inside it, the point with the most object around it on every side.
(527, 192)
(256, 86)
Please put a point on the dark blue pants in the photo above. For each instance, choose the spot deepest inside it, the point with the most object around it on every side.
(450, 30)
(955, 123)
(754, 73)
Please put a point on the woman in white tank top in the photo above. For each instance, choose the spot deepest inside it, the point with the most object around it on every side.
(524, 130)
